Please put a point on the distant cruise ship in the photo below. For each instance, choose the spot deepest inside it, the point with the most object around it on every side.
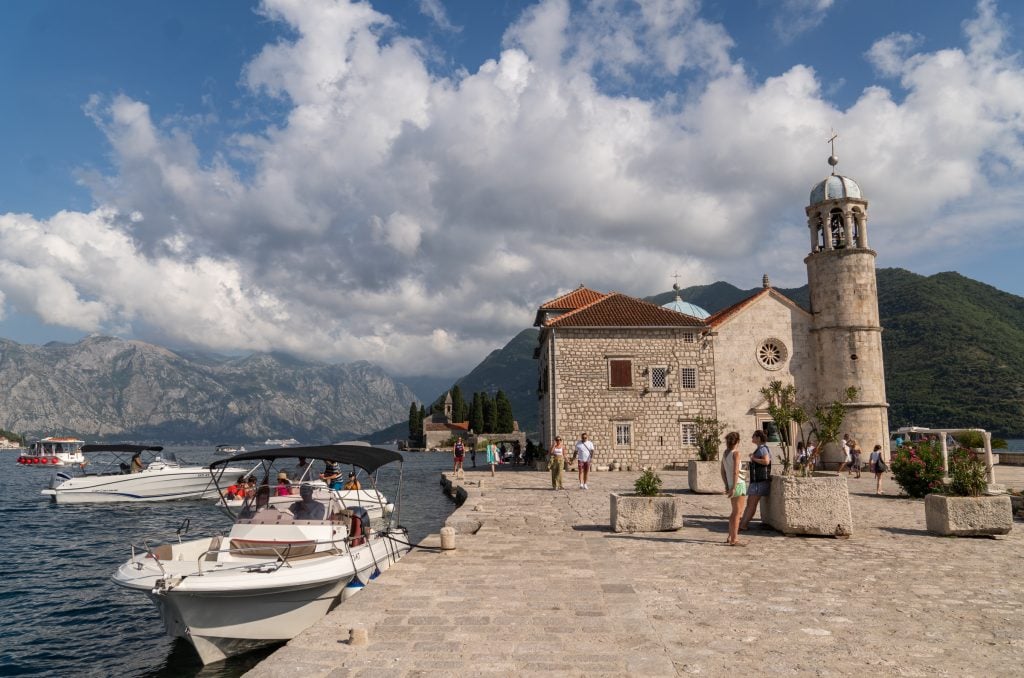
(281, 442)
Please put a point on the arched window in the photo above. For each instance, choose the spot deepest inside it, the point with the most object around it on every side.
(856, 219)
(819, 238)
(836, 226)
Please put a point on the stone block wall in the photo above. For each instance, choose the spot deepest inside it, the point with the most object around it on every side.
(739, 375)
(580, 397)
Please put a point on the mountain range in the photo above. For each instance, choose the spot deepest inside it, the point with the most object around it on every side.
(104, 388)
(954, 357)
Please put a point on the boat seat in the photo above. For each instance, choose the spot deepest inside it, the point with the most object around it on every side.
(272, 516)
(265, 548)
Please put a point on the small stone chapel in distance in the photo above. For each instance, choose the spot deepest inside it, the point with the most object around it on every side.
(634, 375)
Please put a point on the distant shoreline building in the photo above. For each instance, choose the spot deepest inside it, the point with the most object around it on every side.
(634, 375)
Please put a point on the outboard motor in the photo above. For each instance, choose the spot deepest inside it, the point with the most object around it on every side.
(58, 478)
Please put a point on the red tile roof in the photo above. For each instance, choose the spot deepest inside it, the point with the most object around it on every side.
(442, 426)
(720, 318)
(578, 298)
(619, 310)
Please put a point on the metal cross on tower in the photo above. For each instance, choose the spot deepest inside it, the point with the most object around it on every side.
(833, 159)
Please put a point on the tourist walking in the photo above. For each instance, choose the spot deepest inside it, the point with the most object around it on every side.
(460, 454)
(555, 464)
(845, 466)
(760, 477)
(878, 467)
(812, 454)
(855, 457)
(492, 455)
(735, 486)
(584, 453)
(472, 455)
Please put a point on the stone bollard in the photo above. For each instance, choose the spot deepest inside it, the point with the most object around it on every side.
(447, 538)
(358, 636)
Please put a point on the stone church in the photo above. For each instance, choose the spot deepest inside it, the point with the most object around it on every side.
(634, 375)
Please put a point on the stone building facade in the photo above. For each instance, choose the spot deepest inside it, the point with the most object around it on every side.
(634, 375)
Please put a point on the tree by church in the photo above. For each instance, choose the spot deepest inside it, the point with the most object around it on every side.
(504, 423)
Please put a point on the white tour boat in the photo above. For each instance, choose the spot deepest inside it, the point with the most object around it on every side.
(281, 442)
(277, 571)
(132, 473)
(53, 451)
(229, 449)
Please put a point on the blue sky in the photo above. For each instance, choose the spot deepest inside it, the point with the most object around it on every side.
(405, 183)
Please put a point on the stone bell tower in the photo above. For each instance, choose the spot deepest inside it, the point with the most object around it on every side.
(846, 336)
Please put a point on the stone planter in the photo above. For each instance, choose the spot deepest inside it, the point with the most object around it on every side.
(540, 464)
(968, 516)
(815, 505)
(631, 513)
(705, 477)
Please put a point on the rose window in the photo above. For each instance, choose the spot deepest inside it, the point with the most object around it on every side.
(771, 354)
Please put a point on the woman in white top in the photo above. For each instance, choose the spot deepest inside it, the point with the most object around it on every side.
(557, 459)
(735, 486)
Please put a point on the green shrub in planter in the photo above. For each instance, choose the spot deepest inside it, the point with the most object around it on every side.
(968, 476)
(648, 484)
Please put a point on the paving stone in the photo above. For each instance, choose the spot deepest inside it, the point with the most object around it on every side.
(544, 587)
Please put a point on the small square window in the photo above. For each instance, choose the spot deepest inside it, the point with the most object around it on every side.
(659, 377)
(688, 377)
(688, 433)
(620, 373)
(623, 434)
(689, 337)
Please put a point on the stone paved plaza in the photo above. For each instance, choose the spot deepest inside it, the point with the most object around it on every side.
(545, 587)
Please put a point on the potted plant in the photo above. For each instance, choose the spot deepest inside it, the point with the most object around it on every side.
(962, 508)
(704, 473)
(816, 505)
(647, 510)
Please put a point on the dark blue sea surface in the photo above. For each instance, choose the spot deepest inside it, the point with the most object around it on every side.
(60, 614)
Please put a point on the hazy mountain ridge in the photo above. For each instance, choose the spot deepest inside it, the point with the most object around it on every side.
(105, 388)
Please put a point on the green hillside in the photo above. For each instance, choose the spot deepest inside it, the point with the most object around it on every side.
(954, 351)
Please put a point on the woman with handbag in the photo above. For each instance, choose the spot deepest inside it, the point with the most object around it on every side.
(735, 486)
(760, 477)
(877, 465)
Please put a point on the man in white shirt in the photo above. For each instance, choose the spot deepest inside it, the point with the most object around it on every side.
(584, 455)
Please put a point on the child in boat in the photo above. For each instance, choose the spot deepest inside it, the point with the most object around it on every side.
(284, 486)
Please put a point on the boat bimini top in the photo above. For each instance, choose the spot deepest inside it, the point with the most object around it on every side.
(363, 456)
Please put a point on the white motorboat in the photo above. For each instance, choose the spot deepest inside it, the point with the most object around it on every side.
(156, 477)
(53, 451)
(277, 571)
(229, 449)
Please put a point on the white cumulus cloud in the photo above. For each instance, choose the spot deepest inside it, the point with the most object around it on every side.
(416, 219)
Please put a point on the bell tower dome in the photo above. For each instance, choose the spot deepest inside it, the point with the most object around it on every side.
(846, 333)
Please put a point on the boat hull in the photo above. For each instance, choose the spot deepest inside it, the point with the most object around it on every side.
(166, 484)
(222, 625)
(228, 607)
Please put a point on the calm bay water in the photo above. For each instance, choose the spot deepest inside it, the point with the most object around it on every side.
(61, 615)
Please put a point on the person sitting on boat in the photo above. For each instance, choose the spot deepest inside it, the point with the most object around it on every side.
(136, 462)
(307, 508)
(352, 483)
(332, 475)
(236, 491)
(284, 486)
